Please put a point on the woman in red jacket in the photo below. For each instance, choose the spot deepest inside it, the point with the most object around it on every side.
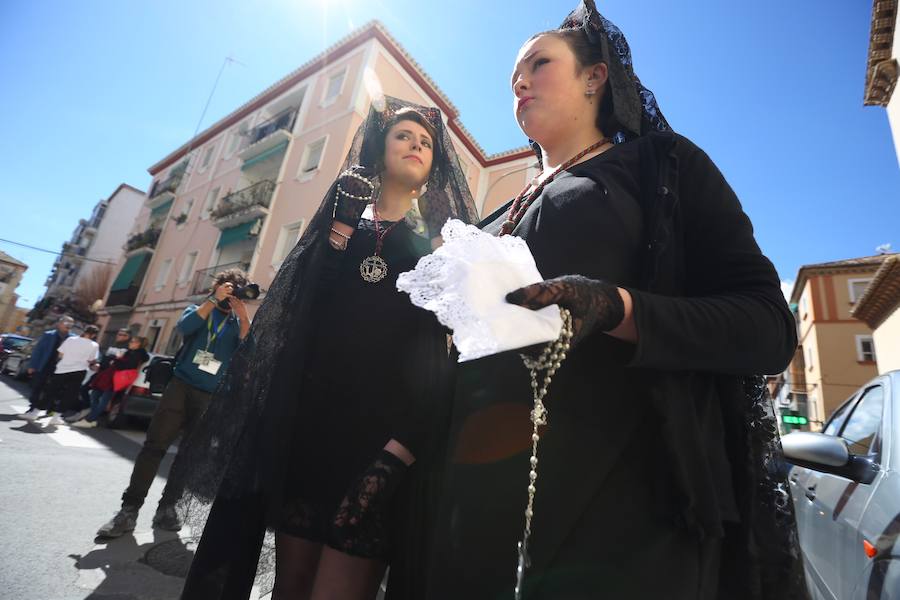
(120, 374)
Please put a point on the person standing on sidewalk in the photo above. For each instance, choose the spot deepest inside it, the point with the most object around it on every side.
(76, 355)
(43, 361)
(212, 332)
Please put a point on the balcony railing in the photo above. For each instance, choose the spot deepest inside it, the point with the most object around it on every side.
(170, 183)
(124, 297)
(283, 120)
(144, 239)
(203, 279)
(73, 249)
(243, 205)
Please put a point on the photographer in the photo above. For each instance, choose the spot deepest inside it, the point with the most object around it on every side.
(212, 332)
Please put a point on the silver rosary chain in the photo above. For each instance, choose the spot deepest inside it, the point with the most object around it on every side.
(548, 362)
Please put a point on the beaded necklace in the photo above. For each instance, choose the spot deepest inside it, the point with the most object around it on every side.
(524, 199)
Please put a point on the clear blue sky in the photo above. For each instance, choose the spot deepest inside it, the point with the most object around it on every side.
(94, 92)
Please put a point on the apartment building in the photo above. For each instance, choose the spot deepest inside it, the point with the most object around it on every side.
(11, 272)
(242, 191)
(836, 353)
(82, 272)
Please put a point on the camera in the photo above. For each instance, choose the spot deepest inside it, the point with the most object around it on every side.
(246, 292)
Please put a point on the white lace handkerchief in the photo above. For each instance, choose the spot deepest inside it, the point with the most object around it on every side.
(465, 282)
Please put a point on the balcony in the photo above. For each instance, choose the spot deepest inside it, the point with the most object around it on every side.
(145, 240)
(163, 191)
(243, 205)
(75, 251)
(203, 279)
(269, 137)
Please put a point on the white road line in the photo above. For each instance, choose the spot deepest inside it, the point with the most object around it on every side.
(64, 435)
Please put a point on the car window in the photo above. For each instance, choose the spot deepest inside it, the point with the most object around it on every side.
(862, 427)
(838, 418)
(15, 343)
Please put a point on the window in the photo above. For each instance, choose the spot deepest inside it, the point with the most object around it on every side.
(187, 267)
(286, 241)
(174, 342)
(210, 202)
(839, 416)
(865, 348)
(804, 306)
(238, 139)
(312, 157)
(333, 90)
(857, 288)
(163, 273)
(186, 211)
(861, 430)
(809, 358)
(207, 157)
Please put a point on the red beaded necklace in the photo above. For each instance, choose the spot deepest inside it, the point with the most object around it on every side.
(524, 199)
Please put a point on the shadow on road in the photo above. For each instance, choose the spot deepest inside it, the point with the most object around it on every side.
(143, 567)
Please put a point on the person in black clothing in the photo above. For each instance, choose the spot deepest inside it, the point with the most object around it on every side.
(104, 385)
(42, 363)
(654, 476)
(336, 400)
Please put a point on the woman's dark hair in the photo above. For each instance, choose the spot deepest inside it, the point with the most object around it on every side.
(407, 113)
(586, 55)
(142, 340)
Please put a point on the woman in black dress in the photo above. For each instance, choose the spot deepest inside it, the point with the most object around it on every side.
(656, 475)
(324, 428)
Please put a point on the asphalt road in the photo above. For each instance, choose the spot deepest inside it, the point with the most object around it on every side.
(58, 486)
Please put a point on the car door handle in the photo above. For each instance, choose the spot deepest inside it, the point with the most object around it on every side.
(811, 492)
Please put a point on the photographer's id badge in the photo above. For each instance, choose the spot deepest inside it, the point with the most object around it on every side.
(211, 366)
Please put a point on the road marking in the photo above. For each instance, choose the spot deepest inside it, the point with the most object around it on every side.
(71, 437)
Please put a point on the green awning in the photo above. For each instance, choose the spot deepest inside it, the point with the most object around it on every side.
(161, 211)
(129, 272)
(236, 234)
(264, 155)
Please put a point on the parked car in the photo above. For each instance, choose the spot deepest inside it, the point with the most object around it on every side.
(17, 362)
(846, 490)
(139, 401)
(9, 343)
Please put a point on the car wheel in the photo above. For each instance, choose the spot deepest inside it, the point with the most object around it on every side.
(21, 372)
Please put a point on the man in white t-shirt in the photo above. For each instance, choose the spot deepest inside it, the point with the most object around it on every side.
(75, 357)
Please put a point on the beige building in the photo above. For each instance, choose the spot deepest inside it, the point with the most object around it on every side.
(11, 271)
(241, 192)
(879, 308)
(837, 351)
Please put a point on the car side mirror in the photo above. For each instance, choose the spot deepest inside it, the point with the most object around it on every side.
(827, 454)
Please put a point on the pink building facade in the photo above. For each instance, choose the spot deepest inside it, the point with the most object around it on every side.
(241, 193)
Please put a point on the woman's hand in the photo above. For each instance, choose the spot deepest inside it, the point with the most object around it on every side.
(363, 515)
(595, 305)
(354, 193)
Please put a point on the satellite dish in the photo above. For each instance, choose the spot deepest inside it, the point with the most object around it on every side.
(97, 305)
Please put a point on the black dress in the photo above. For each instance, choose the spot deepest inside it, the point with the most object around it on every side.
(369, 380)
(608, 504)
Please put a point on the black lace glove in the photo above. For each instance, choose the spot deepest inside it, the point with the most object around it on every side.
(360, 525)
(595, 305)
(435, 209)
(354, 192)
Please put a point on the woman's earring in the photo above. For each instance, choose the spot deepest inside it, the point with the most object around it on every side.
(590, 92)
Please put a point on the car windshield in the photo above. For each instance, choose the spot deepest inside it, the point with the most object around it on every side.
(11, 343)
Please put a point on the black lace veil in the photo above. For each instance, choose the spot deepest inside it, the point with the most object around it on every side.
(634, 105)
(236, 457)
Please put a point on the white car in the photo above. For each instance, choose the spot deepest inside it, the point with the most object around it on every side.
(846, 490)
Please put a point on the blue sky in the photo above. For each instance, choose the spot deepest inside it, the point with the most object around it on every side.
(94, 92)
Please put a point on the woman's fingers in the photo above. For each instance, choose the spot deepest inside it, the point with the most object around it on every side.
(535, 296)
